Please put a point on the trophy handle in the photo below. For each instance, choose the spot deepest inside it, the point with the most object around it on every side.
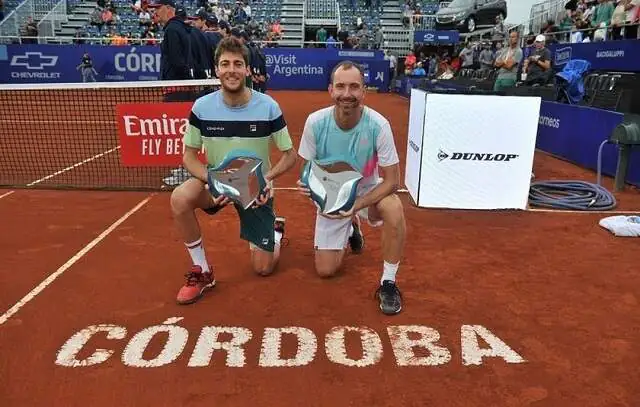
(313, 184)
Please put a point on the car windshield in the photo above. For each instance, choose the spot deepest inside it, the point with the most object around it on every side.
(460, 3)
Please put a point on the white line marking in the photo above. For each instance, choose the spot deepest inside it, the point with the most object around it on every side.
(6, 194)
(13, 310)
(72, 166)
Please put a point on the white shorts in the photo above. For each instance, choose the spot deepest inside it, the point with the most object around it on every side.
(332, 234)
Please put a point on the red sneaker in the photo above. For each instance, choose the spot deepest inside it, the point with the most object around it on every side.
(197, 284)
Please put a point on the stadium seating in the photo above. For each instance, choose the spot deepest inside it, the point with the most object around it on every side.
(321, 9)
(263, 12)
(349, 15)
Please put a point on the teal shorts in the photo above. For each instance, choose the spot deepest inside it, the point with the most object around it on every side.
(257, 226)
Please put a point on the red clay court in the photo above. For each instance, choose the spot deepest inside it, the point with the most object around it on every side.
(509, 308)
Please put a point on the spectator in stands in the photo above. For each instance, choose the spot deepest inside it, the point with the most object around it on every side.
(247, 9)
(433, 66)
(252, 27)
(407, 14)
(550, 31)
(144, 17)
(96, 18)
(175, 56)
(78, 38)
(538, 66)
(487, 59)
(409, 63)
(602, 18)
(363, 37)
(499, 33)
(378, 38)
(276, 30)
(419, 70)
(30, 30)
(507, 62)
(149, 37)
(618, 19)
(331, 41)
(321, 37)
(1, 10)
(580, 32)
(107, 16)
(239, 15)
(633, 17)
(466, 55)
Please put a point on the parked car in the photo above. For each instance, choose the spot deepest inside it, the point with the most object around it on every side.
(467, 15)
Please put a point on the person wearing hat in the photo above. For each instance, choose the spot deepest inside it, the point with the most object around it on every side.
(201, 55)
(211, 33)
(258, 64)
(537, 67)
(175, 49)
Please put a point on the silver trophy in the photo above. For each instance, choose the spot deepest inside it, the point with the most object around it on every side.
(333, 186)
(239, 178)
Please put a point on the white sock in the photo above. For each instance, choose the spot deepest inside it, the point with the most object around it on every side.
(196, 251)
(277, 238)
(389, 272)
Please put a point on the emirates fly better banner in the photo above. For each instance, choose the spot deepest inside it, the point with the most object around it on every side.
(151, 133)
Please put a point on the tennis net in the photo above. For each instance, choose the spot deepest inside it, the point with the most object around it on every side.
(125, 135)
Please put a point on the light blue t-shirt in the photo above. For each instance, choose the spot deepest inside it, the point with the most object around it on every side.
(368, 145)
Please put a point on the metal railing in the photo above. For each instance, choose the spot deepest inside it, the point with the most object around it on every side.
(542, 12)
(321, 12)
(53, 20)
(65, 39)
(14, 21)
(422, 22)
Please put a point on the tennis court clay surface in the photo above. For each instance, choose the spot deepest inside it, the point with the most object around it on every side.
(500, 308)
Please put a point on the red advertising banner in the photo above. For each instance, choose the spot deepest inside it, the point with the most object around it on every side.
(151, 133)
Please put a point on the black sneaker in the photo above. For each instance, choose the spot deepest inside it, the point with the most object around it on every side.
(390, 298)
(278, 226)
(356, 240)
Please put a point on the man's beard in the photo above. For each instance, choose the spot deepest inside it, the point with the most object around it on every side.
(238, 89)
(348, 104)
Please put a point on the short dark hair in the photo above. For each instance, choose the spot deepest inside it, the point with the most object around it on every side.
(346, 65)
(234, 46)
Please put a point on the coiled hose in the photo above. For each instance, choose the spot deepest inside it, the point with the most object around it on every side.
(573, 195)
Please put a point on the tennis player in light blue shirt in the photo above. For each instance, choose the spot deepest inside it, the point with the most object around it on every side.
(352, 132)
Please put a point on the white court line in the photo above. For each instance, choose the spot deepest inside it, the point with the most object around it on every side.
(6, 194)
(13, 310)
(72, 166)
